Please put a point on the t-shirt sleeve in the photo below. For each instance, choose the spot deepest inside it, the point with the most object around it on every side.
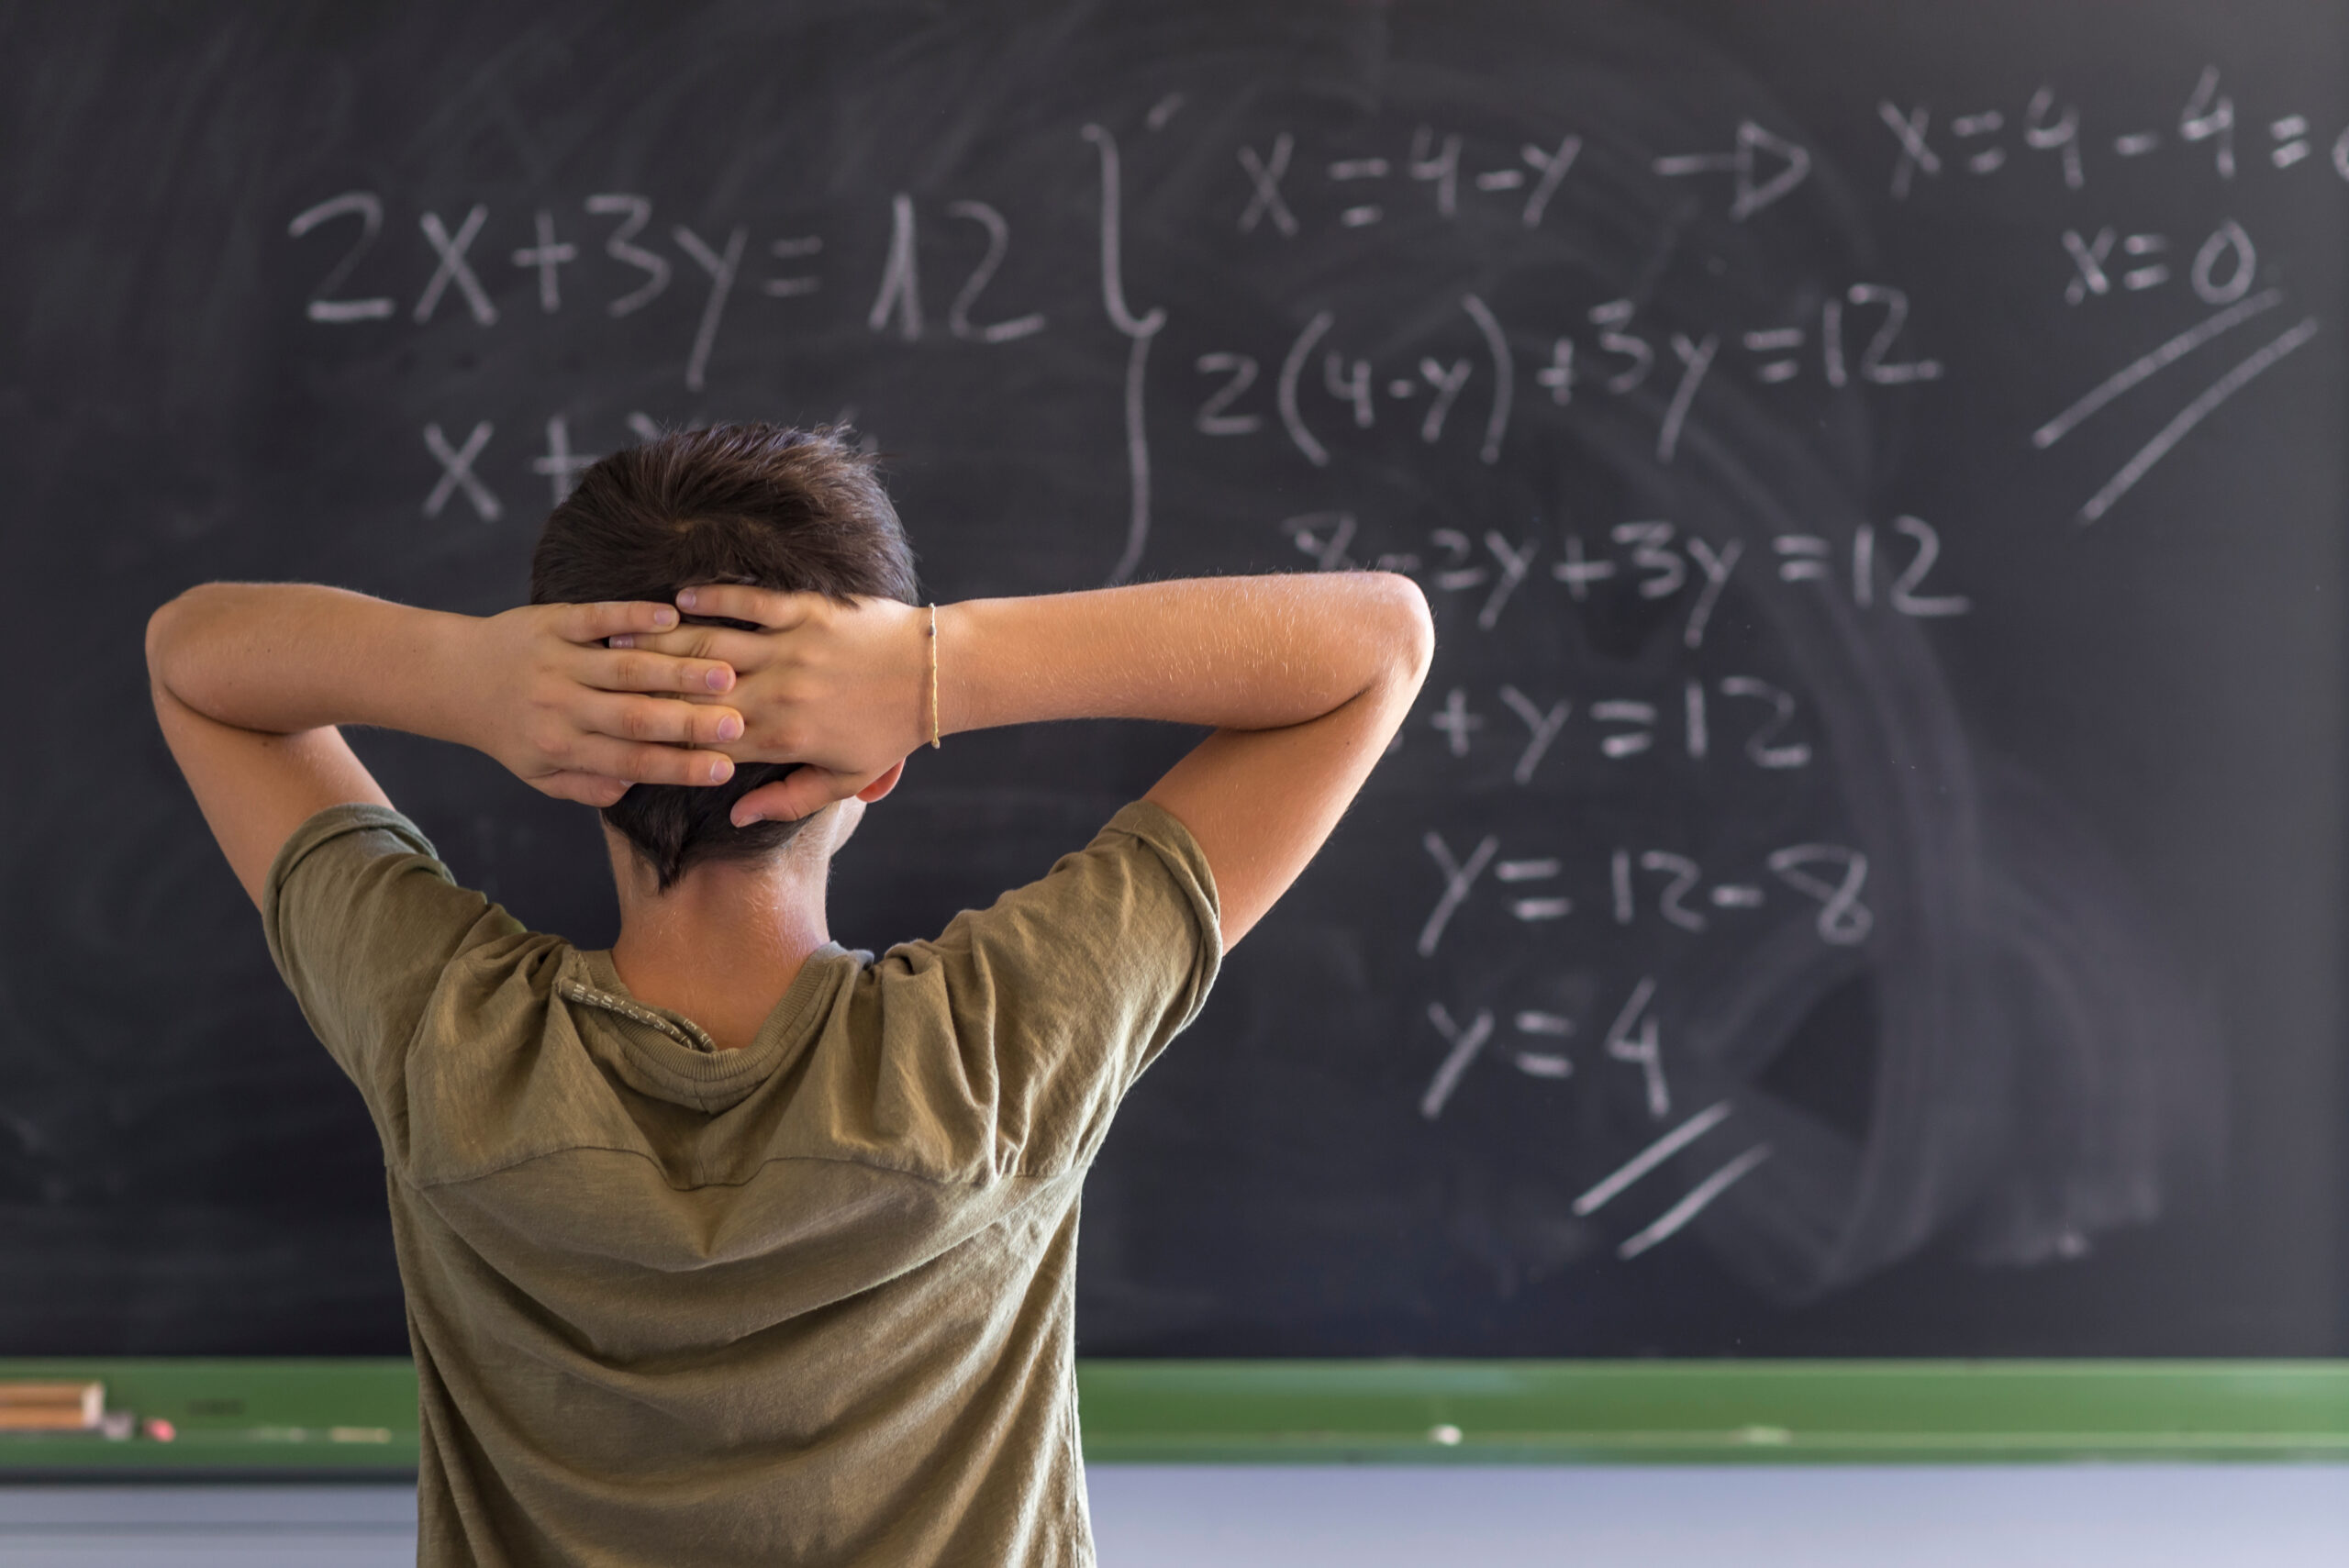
(1065, 989)
(362, 919)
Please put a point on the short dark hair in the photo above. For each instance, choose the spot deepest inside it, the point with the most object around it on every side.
(802, 511)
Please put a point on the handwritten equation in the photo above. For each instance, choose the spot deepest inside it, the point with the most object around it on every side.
(1856, 336)
(1332, 384)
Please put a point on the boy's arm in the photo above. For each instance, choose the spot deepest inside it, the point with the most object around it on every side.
(251, 679)
(1305, 680)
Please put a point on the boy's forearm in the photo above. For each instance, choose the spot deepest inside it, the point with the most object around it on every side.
(1226, 653)
(283, 658)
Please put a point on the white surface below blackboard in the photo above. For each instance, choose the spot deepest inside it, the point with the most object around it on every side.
(1184, 1516)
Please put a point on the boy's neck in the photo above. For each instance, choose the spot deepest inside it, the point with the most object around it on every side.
(725, 942)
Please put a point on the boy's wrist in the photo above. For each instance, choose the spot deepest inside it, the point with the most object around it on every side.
(448, 688)
(965, 631)
(947, 672)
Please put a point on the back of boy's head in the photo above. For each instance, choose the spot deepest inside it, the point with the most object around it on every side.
(801, 511)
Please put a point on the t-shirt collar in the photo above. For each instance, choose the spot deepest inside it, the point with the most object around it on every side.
(660, 1051)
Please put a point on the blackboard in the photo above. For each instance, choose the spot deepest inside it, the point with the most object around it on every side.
(1865, 878)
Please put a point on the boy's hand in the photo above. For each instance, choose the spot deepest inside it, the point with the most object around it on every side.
(575, 720)
(842, 690)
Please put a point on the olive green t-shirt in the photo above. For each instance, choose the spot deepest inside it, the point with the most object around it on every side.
(806, 1302)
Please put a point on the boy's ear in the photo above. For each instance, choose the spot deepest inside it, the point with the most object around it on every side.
(883, 784)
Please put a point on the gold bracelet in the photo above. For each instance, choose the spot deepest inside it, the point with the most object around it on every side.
(933, 677)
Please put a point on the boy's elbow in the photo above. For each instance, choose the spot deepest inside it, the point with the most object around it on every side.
(1410, 628)
(167, 631)
(159, 637)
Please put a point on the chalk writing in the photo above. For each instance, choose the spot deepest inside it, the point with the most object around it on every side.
(368, 208)
(1626, 646)
(1834, 877)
